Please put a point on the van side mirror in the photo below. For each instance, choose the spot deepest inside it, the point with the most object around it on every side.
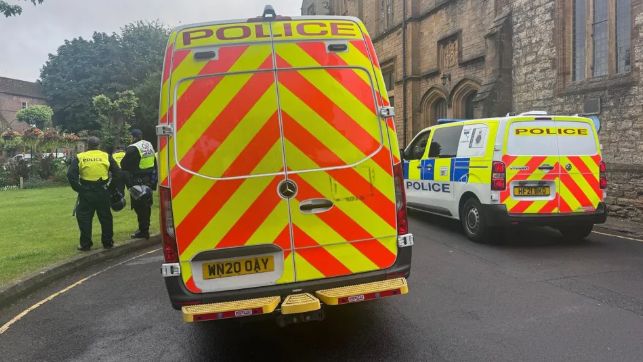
(403, 154)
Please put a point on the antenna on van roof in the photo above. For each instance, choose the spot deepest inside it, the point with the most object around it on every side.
(269, 12)
(534, 113)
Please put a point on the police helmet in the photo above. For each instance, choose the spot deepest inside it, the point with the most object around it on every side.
(117, 201)
(140, 192)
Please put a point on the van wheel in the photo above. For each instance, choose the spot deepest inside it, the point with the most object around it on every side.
(473, 221)
(576, 233)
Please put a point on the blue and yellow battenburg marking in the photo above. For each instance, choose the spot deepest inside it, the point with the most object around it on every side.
(457, 170)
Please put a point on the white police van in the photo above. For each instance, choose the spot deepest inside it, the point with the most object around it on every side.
(527, 169)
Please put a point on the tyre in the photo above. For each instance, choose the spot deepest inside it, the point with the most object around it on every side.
(473, 221)
(576, 232)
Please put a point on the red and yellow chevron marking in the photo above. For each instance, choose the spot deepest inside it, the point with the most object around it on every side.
(329, 118)
(577, 190)
(230, 127)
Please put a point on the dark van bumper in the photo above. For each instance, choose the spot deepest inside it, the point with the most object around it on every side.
(497, 215)
(179, 295)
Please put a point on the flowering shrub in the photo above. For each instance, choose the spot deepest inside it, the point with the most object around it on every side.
(9, 135)
(51, 135)
(70, 139)
(33, 133)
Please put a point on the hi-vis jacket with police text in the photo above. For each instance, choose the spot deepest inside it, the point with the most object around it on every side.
(91, 167)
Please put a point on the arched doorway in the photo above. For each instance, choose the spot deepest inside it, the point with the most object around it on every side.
(434, 106)
(463, 99)
(468, 105)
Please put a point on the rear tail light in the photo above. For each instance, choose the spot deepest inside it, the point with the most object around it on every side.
(603, 175)
(170, 251)
(498, 176)
(400, 200)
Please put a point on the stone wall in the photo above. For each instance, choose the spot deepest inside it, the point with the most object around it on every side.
(540, 82)
(625, 191)
(444, 38)
(515, 51)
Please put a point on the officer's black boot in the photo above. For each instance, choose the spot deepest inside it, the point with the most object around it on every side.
(138, 234)
(143, 209)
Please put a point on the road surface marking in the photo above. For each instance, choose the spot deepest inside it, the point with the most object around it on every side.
(6, 326)
(618, 236)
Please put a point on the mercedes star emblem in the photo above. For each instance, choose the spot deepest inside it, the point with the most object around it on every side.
(287, 189)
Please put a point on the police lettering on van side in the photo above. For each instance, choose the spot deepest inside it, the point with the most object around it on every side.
(428, 186)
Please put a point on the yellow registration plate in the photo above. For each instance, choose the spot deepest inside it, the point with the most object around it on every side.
(531, 191)
(236, 267)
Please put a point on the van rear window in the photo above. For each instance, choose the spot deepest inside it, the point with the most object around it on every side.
(579, 139)
(548, 138)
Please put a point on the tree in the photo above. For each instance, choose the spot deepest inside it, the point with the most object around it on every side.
(11, 10)
(147, 113)
(80, 70)
(39, 115)
(114, 115)
(105, 64)
(150, 39)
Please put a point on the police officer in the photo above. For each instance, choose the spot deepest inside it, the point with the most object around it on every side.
(88, 175)
(140, 163)
(118, 154)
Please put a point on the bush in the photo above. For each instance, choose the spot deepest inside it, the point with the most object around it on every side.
(15, 170)
(36, 182)
(59, 175)
(45, 166)
(5, 180)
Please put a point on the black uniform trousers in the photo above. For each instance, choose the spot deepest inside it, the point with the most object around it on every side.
(143, 206)
(94, 199)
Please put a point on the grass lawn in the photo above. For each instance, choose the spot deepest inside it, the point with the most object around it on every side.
(38, 229)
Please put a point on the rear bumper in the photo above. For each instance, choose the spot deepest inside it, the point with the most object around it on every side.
(179, 295)
(497, 215)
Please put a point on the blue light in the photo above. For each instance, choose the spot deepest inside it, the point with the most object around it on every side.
(597, 123)
(449, 120)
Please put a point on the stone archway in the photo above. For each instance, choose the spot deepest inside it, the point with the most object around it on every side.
(434, 106)
(462, 98)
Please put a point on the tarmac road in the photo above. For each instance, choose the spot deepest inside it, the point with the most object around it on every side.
(531, 297)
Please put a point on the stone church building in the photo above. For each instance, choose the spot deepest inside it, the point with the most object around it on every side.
(483, 58)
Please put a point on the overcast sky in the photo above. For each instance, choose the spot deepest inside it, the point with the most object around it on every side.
(40, 30)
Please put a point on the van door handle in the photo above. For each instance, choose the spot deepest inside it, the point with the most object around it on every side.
(546, 167)
(315, 206)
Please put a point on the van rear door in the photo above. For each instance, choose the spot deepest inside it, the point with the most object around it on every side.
(552, 166)
(580, 158)
(226, 160)
(336, 150)
(533, 168)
